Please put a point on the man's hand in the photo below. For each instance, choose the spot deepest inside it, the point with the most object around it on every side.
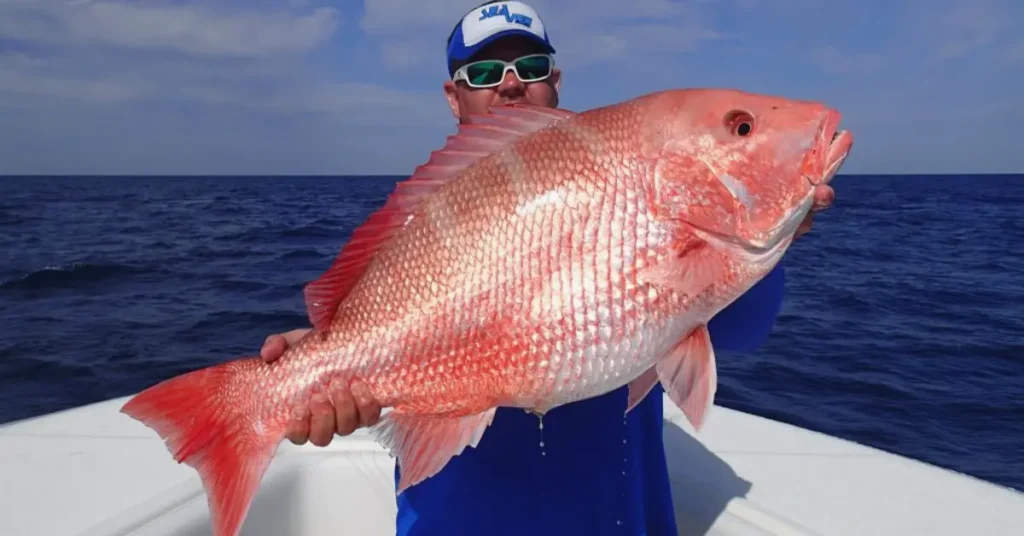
(823, 197)
(353, 406)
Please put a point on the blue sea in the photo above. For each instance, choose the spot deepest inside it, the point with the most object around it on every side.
(903, 326)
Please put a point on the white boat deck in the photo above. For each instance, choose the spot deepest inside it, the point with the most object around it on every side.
(92, 471)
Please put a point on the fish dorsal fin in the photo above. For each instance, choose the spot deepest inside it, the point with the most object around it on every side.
(486, 134)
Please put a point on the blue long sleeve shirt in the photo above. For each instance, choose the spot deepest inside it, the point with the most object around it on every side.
(598, 473)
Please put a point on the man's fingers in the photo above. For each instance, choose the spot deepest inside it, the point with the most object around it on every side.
(276, 344)
(298, 431)
(346, 414)
(273, 347)
(321, 422)
(347, 409)
(295, 335)
(369, 408)
(824, 196)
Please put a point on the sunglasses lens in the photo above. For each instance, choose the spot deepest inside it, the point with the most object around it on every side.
(483, 73)
(489, 73)
(533, 68)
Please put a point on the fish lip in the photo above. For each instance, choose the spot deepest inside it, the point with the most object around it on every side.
(838, 150)
(754, 249)
(831, 149)
(820, 166)
(704, 232)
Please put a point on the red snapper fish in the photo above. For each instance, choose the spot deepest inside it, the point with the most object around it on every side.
(541, 257)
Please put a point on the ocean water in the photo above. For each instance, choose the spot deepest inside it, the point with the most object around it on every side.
(903, 326)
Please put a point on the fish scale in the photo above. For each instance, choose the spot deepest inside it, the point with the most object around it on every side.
(541, 257)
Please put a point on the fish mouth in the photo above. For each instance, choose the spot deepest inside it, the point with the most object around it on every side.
(820, 166)
(830, 151)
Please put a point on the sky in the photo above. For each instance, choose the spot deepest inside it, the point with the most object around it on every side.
(355, 87)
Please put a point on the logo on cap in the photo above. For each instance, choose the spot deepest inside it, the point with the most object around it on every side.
(502, 10)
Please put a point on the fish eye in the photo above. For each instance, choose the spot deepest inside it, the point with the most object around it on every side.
(739, 123)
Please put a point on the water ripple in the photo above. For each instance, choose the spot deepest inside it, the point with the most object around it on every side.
(901, 328)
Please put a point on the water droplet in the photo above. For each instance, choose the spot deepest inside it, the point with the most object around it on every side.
(618, 522)
(540, 427)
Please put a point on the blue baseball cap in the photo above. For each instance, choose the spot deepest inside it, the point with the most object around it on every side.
(492, 21)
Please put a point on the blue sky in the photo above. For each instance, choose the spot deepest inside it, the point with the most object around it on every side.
(301, 86)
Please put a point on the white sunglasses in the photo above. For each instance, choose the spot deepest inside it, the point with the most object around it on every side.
(490, 73)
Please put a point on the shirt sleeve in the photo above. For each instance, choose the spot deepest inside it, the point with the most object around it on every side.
(745, 324)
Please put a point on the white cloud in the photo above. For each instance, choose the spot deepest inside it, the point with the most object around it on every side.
(232, 56)
(594, 32)
(384, 16)
(945, 30)
(967, 26)
(407, 55)
(176, 87)
(260, 87)
(1015, 52)
(832, 60)
(194, 29)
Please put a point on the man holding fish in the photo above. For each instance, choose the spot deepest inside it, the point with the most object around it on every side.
(496, 59)
(572, 295)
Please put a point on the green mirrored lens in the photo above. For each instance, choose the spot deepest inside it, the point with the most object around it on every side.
(485, 72)
(491, 72)
(533, 67)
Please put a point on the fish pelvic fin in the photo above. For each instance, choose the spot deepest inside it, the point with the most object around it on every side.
(213, 434)
(423, 444)
(485, 135)
(689, 375)
(641, 387)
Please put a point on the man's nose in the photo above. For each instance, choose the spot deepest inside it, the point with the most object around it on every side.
(511, 84)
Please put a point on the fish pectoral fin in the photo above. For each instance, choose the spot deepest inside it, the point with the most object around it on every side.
(688, 374)
(690, 273)
(423, 444)
(641, 386)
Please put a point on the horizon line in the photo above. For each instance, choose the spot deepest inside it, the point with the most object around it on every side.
(392, 175)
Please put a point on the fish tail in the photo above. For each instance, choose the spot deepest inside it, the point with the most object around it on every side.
(207, 421)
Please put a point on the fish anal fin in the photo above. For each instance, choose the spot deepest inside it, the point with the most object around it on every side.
(486, 134)
(424, 444)
(640, 387)
(689, 375)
